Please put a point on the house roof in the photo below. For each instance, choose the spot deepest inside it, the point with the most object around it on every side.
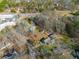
(7, 15)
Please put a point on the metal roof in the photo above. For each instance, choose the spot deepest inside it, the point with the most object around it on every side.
(7, 15)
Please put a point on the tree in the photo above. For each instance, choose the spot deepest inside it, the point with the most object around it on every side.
(3, 3)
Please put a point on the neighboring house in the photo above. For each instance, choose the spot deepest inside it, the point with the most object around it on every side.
(7, 20)
(8, 17)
